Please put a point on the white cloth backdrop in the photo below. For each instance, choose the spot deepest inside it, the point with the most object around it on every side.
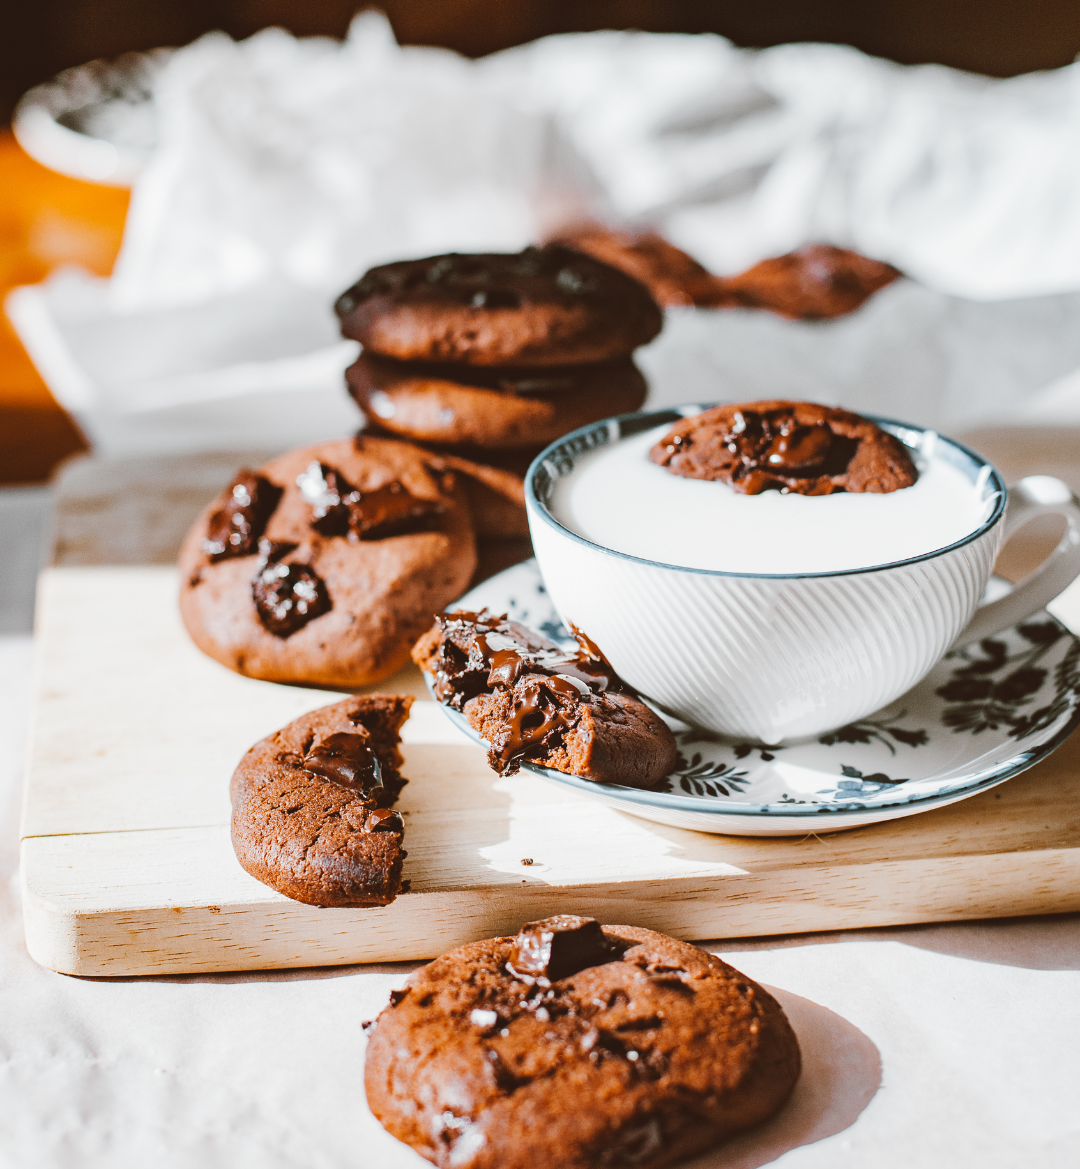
(286, 167)
(312, 160)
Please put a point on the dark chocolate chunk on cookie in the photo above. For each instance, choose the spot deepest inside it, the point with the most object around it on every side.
(560, 946)
(339, 509)
(468, 653)
(541, 307)
(347, 759)
(791, 447)
(529, 699)
(620, 1046)
(368, 539)
(287, 595)
(489, 409)
(237, 522)
(312, 815)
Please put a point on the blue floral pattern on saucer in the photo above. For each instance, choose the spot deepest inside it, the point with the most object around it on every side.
(984, 713)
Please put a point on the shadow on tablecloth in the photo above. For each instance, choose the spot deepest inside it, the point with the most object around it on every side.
(1047, 942)
(841, 1074)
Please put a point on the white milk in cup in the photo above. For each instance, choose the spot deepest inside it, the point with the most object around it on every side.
(617, 498)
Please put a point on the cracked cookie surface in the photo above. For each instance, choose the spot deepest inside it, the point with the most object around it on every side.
(538, 308)
(790, 447)
(312, 804)
(324, 566)
(529, 699)
(576, 1045)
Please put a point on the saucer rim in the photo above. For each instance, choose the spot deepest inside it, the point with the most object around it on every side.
(836, 812)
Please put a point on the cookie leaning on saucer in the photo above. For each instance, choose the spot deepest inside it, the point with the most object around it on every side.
(529, 699)
(311, 804)
(538, 308)
(324, 566)
(458, 405)
(577, 1045)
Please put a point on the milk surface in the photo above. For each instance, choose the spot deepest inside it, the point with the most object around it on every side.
(617, 498)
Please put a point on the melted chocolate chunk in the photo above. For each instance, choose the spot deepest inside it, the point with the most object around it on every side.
(235, 527)
(390, 511)
(346, 760)
(770, 450)
(287, 596)
(774, 442)
(544, 709)
(339, 509)
(329, 495)
(384, 820)
(560, 946)
(479, 650)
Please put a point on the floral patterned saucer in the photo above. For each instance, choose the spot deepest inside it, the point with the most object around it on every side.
(983, 714)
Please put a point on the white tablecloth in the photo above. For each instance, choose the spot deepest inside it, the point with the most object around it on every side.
(925, 1046)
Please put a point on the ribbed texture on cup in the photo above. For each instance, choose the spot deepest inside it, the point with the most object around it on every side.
(766, 659)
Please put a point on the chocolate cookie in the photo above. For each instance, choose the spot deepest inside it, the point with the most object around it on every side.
(814, 283)
(325, 565)
(311, 804)
(577, 1045)
(496, 496)
(797, 447)
(541, 307)
(529, 699)
(490, 408)
(672, 276)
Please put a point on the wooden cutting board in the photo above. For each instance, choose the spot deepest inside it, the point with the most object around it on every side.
(128, 870)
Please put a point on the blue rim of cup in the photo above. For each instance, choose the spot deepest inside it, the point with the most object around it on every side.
(625, 425)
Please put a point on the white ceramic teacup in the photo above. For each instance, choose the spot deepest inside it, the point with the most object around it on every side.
(770, 658)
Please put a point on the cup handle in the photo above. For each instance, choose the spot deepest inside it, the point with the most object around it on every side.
(1033, 496)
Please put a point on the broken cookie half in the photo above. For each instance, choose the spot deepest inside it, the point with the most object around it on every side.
(529, 699)
(313, 804)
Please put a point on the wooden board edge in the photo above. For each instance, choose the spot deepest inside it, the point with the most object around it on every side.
(281, 934)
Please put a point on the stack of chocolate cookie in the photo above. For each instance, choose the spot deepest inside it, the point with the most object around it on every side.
(529, 699)
(486, 359)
